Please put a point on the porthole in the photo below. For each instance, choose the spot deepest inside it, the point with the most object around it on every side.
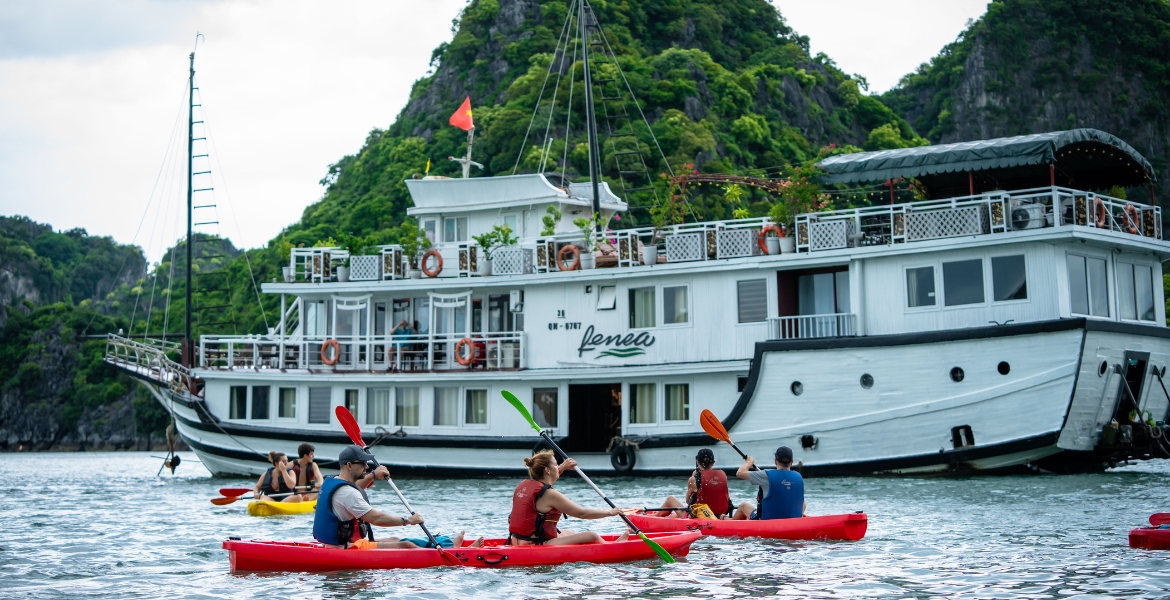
(797, 388)
(957, 374)
(808, 442)
(1003, 368)
(1101, 369)
(867, 381)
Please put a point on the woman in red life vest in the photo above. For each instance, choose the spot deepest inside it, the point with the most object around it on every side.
(707, 485)
(537, 507)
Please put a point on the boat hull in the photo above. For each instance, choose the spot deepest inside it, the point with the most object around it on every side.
(268, 508)
(850, 527)
(1150, 538)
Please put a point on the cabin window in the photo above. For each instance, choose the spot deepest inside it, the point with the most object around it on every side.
(379, 318)
(447, 406)
(920, 287)
(238, 402)
(963, 282)
(319, 400)
(823, 293)
(406, 407)
(544, 406)
(399, 312)
(752, 300)
(475, 407)
(678, 401)
(1088, 294)
(455, 229)
(422, 316)
(429, 228)
(511, 222)
(287, 408)
(500, 318)
(606, 297)
(1135, 292)
(351, 402)
(674, 305)
(315, 319)
(260, 401)
(378, 406)
(642, 308)
(1009, 280)
(643, 397)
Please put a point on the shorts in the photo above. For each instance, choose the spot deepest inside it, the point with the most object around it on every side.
(753, 517)
(363, 544)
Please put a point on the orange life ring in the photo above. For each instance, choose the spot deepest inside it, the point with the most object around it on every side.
(576, 258)
(438, 264)
(336, 352)
(459, 352)
(1131, 218)
(1102, 214)
(764, 233)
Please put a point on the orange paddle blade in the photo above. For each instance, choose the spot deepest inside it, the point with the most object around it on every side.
(713, 426)
(223, 501)
(350, 425)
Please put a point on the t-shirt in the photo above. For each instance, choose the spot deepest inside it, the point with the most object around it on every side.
(348, 504)
(759, 478)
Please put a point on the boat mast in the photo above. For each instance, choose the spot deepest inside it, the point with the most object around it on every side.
(188, 346)
(590, 118)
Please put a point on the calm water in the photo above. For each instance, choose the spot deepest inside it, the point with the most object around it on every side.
(103, 525)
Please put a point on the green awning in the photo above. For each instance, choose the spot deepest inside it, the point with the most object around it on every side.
(1080, 158)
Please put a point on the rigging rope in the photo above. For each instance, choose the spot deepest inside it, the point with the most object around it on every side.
(540, 96)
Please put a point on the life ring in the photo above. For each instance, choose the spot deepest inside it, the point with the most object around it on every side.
(438, 263)
(1102, 215)
(576, 258)
(623, 458)
(1132, 217)
(459, 351)
(336, 352)
(764, 233)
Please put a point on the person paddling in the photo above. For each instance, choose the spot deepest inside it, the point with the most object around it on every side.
(706, 486)
(537, 507)
(278, 479)
(308, 475)
(781, 490)
(344, 516)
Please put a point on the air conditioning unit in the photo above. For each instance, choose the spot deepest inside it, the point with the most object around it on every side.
(1028, 215)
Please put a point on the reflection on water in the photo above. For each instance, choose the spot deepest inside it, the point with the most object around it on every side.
(96, 524)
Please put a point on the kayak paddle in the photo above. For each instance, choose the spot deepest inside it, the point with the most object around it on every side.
(229, 499)
(355, 435)
(233, 492)
(714, 428)
(1158, 519)
(658, 549)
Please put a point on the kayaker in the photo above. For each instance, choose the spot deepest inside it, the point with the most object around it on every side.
(537, 507)
(307, 473)
(781, 493)
(707, 486)
(278, 479)
(344, 515)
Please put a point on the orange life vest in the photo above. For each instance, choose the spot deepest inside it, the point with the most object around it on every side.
(713, 491)
(527, 523)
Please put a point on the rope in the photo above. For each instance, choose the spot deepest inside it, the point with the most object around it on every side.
(569, 111)
(540, 96)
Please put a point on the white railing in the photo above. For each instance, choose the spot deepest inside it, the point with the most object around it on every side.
(149, 360)
(812, 326)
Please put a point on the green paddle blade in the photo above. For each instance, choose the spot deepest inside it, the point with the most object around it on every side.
(659, 550)
(514, 401)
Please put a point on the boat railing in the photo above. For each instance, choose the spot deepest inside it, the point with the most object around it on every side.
(150, 359)
(425, 352)
(812, 326)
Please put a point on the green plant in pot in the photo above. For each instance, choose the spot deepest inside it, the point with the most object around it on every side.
(284, 251)
(355, 245)
(500, 236)
(552, 216)
(589, 228)
(782, 221)
(414, 242)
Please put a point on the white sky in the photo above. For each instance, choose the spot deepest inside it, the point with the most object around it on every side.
(90, 92)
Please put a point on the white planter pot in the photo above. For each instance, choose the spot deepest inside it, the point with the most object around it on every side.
(649, 255)
(288, 274)
(588, 260)
(485, 268)
(414, 273)
(787, 245)
(773, 244)
(343, 273)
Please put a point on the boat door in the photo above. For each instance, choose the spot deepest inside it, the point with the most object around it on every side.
(351, 327)
(451, 318)
(595, 417)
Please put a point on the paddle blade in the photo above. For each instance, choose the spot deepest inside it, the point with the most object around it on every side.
(233, 492)
(514, 401)
(713, 426)
(1158, 519)
(658, 549)
(223, 501)
(350, 425)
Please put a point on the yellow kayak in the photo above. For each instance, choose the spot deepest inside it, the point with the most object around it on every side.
(268, 508)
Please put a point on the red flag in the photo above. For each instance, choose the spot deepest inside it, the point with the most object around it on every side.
(462, 117)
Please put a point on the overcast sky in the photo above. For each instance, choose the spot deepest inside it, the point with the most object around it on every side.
(91, 91)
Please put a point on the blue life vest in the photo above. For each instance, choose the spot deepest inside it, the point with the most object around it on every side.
(785, 499)
(327, 528)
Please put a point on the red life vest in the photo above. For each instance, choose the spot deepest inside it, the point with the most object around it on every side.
(526, 523)
(712, 491)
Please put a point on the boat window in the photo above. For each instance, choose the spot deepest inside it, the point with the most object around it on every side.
(238, 402)
(287, 409)
(511, 222)
(319, 400)
(963, 282)
(455, 229)
(422, 316)
(315, 319)
(823, 293)
(920, 287)
(642, 308)
(678, 402)
(674, 305)
(606, 297)
(1135, 292)
(406, 406)
(429, 226)
(475, 408)
(499, 317)
(642, 401)
(1087, 290)
(378, 406)
(260, 401)
(400, 311)
(379, 318)
(544, 406)
(447, 406)
(1009, 280)
(752, 298)
(351, 402)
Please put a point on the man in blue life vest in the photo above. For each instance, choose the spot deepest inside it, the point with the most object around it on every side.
(781, 490)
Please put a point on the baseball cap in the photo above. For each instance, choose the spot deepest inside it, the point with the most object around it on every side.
(355, 453)
(705, 455)
(783, 454)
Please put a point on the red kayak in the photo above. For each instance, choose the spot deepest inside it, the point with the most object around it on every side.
(830, 527)
(1150, 538)
(255, 555)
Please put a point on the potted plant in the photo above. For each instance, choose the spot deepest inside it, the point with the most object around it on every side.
(500, 236)
(666, 213)
(552, 216)
(774, 238)
(589, 228)
(284, 250)
(414, 242)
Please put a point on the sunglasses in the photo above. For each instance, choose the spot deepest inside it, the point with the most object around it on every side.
(362, 463)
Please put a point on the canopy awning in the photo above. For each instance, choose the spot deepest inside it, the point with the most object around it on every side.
(1081, 158)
